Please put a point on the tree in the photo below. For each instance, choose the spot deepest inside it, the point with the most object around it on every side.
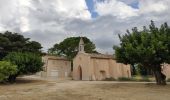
(69, 47)
(32, 46)
(27, 63)
(14, 42)
(7, 69)
(150, 48)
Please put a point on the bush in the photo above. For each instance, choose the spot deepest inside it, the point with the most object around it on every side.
(144, 79)
(109, 79)
(125, 79)
(7, 69)
(27, 63)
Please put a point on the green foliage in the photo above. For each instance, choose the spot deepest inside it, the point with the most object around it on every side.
(110, 79)
(14, 42)
(69, 47)
(134, 79)
(27, 63)
(141, 70)
(144, 79)
(32, 46)
(7, 69)
(125, 79)
(149, 47)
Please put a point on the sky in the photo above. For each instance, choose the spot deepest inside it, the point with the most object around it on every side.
(51, 21)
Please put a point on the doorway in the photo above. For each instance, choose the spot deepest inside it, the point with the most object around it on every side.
(79, 73)
(102, 75)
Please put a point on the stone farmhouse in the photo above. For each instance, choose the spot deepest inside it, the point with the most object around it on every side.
(88, 66)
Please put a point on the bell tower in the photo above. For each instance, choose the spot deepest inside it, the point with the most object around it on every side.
(81, 45)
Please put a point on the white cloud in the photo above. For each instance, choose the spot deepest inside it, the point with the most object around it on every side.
(70, 8)
(50, 21)
(9, 15)
(24, 26)
(115, 8)
(149, 6)
(123, 9)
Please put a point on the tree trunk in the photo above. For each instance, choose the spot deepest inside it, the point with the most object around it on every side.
(159, 76)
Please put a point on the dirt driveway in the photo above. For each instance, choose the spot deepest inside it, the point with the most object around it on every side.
(82, 90)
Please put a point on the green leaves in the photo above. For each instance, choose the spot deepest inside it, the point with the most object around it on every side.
(14, 42)
(69, 47)
(27, 63)
(7, 69)
(149, 46)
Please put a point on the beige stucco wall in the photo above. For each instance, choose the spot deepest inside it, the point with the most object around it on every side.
(55, 67)
(115, 69)
(166, 70)
(126, 71)
(98, 68)
(81, 61)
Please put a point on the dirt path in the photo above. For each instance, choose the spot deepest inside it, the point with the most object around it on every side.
(82, 90)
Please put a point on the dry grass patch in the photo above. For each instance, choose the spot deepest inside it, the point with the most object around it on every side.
(82, 90)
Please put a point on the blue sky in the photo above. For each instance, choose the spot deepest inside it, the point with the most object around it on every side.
(135, 4)
(90, 5)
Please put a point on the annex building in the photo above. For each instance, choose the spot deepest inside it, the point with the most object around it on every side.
(56, 67)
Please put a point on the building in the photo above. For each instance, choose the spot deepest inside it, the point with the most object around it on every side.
(166, 70)
(97, 66)
(56, 67)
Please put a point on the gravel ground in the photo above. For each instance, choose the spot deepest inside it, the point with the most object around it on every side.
(33, 89)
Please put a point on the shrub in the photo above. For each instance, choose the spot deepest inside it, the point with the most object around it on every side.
(7, 69)
(144, 79)
(27, 63)
(125, 79)
(109, 79)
